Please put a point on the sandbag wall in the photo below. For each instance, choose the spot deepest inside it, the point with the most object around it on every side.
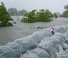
(41, 44)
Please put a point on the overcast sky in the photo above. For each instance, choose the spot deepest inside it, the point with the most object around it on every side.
(52, 5)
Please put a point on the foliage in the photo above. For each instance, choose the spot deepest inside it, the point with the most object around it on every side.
(30, 16)
(65, 13)
(4, 16)
(55, 15)
(44, 15)
(66, 7)
(37, 16)
(22, 12)
(15, 12)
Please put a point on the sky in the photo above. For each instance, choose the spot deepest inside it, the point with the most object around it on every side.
(52, 5)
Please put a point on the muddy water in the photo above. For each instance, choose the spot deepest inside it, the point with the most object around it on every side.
(19, 30)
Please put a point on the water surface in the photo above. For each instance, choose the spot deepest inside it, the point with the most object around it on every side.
(19, 30)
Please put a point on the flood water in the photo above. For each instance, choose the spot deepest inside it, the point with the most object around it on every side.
(19, 30)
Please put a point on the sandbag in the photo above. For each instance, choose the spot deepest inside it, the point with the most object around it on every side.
(35, 53)
(47, 45)
(48, 32)
(29, 42)
(39, 34)
(6, 52)
(62, 36)
(43, 33)
(28, 54)
(18, 49)
(41, 53)
(55, 39)
(66, 36)
(57, 28)
(20, 40)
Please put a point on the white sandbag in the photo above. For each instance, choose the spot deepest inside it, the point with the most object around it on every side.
(66, 36)
(28, 55)
(60, 29)
(43, 33)
(29, 42)
(57, 28)
(6, 52)
(41, 53)
(32, 42)
(47, 45)
(66, 51)
(36, 39)
(62, 36)
(20, 40)
(65, 46)
(16, 47)
(23, 42)
(67, 26)
(39, 34)
(55, 39)
(47, 32)
(63, 29)
(46, 39)
(53, 55)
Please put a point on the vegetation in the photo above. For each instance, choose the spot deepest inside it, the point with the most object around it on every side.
(55, 15)
(65, 13)
(15, 12)
(4, 16)
(37, 16)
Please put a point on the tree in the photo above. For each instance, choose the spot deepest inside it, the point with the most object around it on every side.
(30, 16)
(55, 15)
(4, 16)
(65, 13)
(66, 7)
(44, 15)
(35, 16)
(13, 11)
(22, 12)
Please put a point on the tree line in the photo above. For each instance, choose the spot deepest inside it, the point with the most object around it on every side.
(65, 13)
(15, 12)
(29, 17)
(37, 16)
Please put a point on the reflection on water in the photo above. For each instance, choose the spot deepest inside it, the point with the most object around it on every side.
(19, 30)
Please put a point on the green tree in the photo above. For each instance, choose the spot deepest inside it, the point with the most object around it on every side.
(13, 11)
(22, 12)
(44, 15)
(55, 15)
(4, 16)
(30, 16)
(66, 7)
(37, 16)
(65, 13)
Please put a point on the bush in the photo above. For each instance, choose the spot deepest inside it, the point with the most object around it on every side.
(35, 16)
(4, 16)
